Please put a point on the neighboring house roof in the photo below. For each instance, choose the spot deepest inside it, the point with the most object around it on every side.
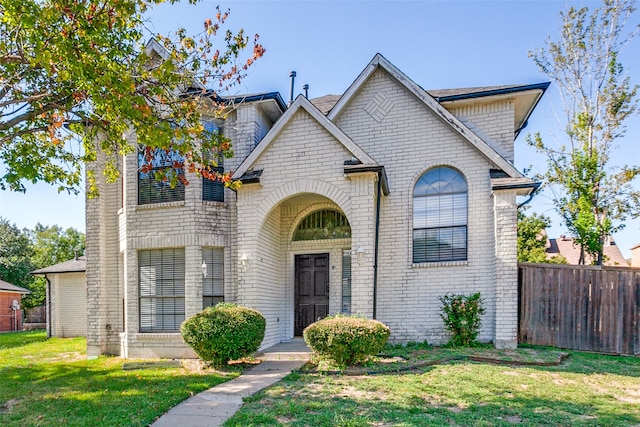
(380, 61)
(77, 265)
(8, 287)
(566, 247)
(301, 103)
(325, 103)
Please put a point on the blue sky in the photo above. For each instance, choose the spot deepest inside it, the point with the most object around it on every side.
(438, 44)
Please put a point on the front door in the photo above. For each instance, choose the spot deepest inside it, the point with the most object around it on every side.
(312, 290)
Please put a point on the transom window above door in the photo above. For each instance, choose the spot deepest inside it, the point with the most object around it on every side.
(323, 224)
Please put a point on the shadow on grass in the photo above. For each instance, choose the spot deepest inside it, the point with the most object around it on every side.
(303, 407)
(415, 412)
(20, 339)
(86, 393)
(594, 363)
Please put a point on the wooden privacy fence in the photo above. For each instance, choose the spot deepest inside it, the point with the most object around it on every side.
(580, 307)
(35, 315)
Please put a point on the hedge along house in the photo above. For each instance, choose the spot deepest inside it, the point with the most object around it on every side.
(376, 202)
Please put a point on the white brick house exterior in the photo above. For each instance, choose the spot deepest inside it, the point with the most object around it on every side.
(362, 162)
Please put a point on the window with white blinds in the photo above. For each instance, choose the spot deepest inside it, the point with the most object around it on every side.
(213, 283)
(346, 281)
(160, 176)
(161, 278)
(213, 190)
(440, 216)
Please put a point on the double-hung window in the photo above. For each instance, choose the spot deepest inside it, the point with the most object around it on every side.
(213, 190)
(161, 279)
(159, 173)
(213, 280)
(440, 216)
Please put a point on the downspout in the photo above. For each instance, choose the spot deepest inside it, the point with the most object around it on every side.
(48, 309)
(531, 194)
(375, 253)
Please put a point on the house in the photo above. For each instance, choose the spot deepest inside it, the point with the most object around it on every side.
(635, 256)
(376, 202)
(567, 248)
(66, 298)
(10, 312)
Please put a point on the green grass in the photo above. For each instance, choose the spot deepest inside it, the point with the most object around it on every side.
(49, 382)
(584, 390)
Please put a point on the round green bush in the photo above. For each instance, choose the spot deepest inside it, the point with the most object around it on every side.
(224, 332)
(346, 339)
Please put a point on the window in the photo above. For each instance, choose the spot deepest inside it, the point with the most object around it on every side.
(161, 279)
(323, 224)
(213, 283)
(440, 216)
(213, 190)
(158, 189)
(346, 281)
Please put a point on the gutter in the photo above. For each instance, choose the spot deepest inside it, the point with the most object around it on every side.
(48, 305)
(494, 92)
(531, 194)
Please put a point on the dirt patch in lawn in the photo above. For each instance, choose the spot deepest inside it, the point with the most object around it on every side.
(6, 406)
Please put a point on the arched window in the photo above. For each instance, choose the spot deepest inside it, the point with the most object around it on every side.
(440, 216)
(323, 224)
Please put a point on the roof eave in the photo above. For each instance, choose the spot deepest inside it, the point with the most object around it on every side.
(361, 168)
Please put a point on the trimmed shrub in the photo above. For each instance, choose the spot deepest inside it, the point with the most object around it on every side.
(224, 332)
(461, 316)
(346, 339)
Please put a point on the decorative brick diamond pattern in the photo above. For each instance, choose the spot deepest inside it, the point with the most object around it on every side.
(379, 106)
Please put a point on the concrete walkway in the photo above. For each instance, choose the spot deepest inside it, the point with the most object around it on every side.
(214, 406)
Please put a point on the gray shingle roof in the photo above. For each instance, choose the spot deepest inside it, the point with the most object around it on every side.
(6, 286)
(325, 103)
(71, 266)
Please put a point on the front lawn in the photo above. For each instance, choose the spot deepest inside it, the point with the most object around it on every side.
(51, 383)
(584, 390)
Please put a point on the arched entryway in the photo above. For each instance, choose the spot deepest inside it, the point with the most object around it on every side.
(325, 225)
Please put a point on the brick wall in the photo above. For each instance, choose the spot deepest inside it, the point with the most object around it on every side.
(303, 170)
(68, 304)
(7, 314)
(493, 122)
(408, 140)
(190, 224)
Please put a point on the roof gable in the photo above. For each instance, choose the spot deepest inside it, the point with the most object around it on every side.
(440, 112)
(301, 103)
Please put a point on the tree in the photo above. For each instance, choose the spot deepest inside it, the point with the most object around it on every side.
(53, 245)
(593, 197)
(532, 239)
(15, 255)
(50, 245)
(23, 251)
(76, 79)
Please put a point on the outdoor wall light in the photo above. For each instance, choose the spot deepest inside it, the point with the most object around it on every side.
(203, 267)
(360, 252)
(244, 260)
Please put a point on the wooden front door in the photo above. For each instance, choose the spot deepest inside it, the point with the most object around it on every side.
(312, 290)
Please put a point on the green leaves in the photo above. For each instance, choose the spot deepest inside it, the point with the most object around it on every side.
(461, 316)
(77, 76)
(592, 197)
(22, 251)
